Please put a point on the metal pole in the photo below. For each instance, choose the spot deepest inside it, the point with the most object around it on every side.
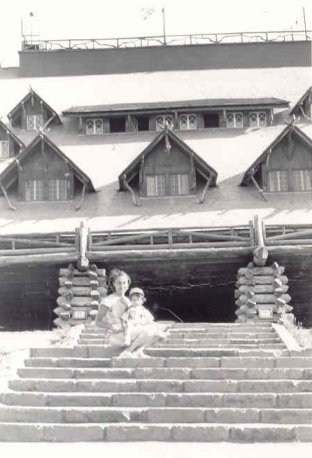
(305, 23)
(22, 33)
(164, 25)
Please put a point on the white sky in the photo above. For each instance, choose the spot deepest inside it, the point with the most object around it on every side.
(56, 19)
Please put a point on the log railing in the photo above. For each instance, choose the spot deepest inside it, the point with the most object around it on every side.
(153, 239)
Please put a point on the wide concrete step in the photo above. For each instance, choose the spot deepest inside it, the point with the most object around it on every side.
(158, 386)
(244, 362)
(190, 341)
(208, 345)
(214, 335)
(124, 432)
(105, 351)
(197, 352)
(167, 373)
(153, 415)
(150, 399)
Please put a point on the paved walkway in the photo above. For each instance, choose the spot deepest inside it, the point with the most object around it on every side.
(159, 449)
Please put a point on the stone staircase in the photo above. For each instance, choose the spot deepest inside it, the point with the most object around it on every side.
(208, 382)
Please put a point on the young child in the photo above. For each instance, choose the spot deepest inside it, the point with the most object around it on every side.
(136, 314)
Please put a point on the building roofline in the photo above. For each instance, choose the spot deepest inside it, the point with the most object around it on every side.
(301, 100)
(289, 128)
(150, 147)
(183, 104)
(30, 93)
(41, 136)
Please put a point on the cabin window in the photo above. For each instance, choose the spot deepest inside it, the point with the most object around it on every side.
(293, 180)
(257, 119)
(117, 125)
(179, 184)
(155, 185)
(142, 123)
(34, 121)
(94, 126)
(34, 190)
(57, 190)
(4, 149)
(211, 120)
(164, 120)
(38, 190)
(188, 122)
(167, 185)
(302, 180)
(234, 119)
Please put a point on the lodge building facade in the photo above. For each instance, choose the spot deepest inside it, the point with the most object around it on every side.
(193, 164)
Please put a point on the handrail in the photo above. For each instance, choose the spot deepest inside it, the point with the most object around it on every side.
(31, 44)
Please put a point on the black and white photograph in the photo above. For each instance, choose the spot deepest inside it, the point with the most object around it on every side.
(156, 228)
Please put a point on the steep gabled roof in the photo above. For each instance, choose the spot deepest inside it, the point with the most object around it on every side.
(301, 100)
(289, 128)
(198, 161)
(12, 166)
(30, 94)
(12, 134)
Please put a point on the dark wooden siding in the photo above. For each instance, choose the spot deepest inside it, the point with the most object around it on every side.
(166, 163)
(14, 147)
(44, 164)
(31, 106)
(290, 154)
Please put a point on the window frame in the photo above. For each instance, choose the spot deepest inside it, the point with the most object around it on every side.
(289, 177)
(235, 114)
(31, 188)
(258, 113)
(32, 121)
(94, 131)
(167, 186)
(188, 124)
(161, 126)
(7, 148)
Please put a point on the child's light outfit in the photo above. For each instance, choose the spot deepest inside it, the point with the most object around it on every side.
(138, 315)
(135, 316)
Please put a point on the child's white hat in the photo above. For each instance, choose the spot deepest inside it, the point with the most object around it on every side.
(136, 291)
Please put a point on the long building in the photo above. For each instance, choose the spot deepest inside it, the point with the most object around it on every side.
(167, 166)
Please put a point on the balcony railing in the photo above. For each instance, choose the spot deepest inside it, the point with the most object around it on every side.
(30, 43)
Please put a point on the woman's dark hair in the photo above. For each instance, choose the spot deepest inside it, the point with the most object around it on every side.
(114, 274)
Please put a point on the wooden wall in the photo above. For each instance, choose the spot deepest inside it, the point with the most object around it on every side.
(43, 163)
(196, 287)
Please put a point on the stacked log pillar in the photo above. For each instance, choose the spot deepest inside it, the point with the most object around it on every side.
(80, 294)
(261, 293)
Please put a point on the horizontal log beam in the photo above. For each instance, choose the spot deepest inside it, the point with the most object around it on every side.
(34, 242)
(290, 235)
(48, 258)
(176, 245)
(129, 238)
(213, 236)
(220, 254)
(35, 251)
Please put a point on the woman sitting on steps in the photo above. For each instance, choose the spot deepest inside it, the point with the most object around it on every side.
(112, 316)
